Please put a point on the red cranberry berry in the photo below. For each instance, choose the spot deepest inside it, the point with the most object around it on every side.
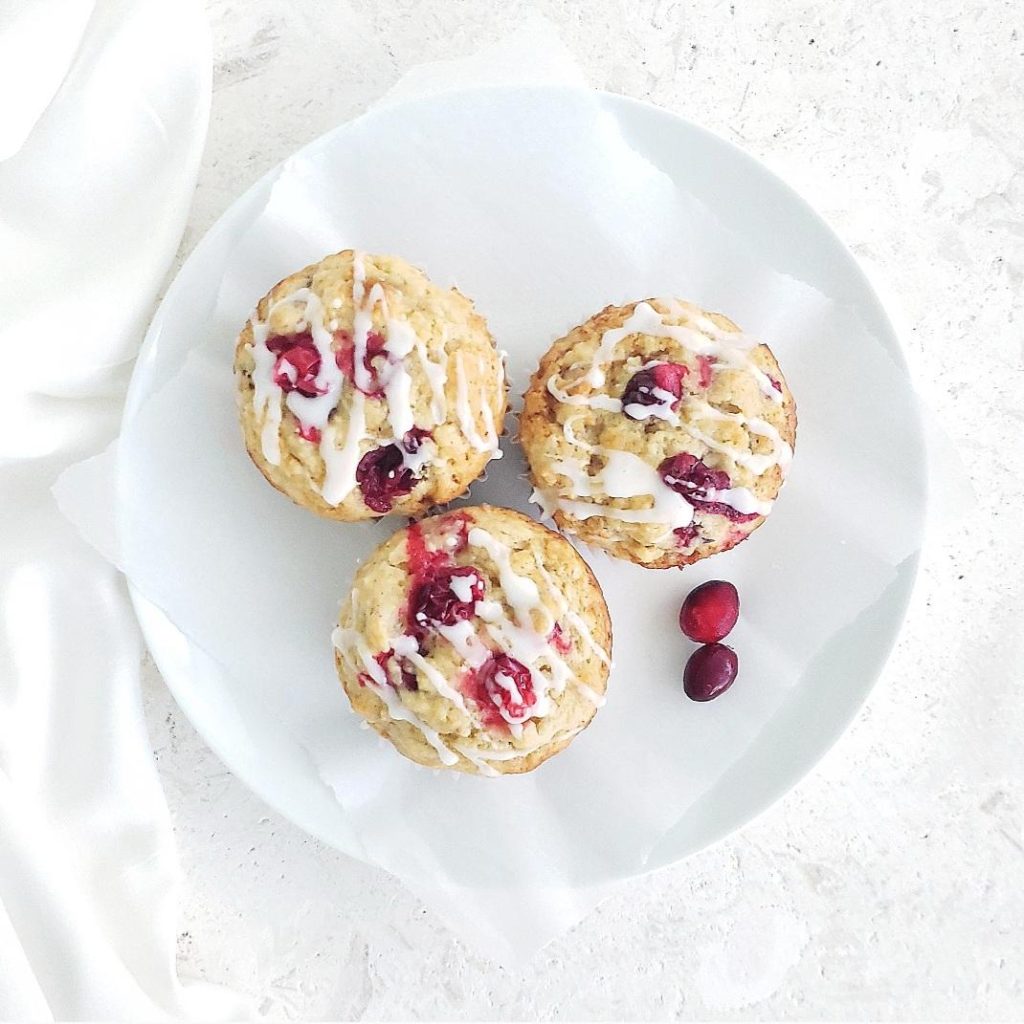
(502, 688)
(710, 671)
(686, 534)
(297, 363)
(706, 371)
(776, 384)
(644, 385)
(558, 639)
(397, 670)
(382, 477)
(710, 611)
(414, 438)
(382, 474)
(432, 545)
(688, 476)
(445, 598)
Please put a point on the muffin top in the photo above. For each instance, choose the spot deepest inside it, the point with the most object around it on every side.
(366, 389)
(477, 640)
(658, 431)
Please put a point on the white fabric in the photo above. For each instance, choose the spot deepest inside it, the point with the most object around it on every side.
(102, 124)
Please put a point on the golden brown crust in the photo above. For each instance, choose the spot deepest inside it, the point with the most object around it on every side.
(449, 328)
(376, 611)
(732, 391)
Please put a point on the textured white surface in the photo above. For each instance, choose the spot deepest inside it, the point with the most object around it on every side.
(890, 884)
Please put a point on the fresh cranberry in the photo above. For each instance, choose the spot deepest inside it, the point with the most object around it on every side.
(688, 476)
(297, 363)
(559, 640)
(344, 356)
(710, 611)
(502, 688)
(706, 371)
(666, 377)
(310, 433)
(433, 600)
(710, 671)
(382, 477)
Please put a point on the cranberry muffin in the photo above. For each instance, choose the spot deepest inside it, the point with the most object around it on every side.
(365, 389)
(658, 432)
(476, 640)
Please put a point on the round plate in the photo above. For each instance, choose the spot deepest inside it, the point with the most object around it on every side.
(777, 224)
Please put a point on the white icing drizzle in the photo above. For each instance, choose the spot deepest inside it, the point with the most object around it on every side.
(780, 455)
(347, 642)
(473, 651)
(312, 411)
(605, 402)
(340, 463)
(489, 611)
(520, 591)
(437, 376)
(461, 587)
(266, 398)
(644, 319)
(593, 696)
(481, 759)
(407, 647)
(661, 410)
(577, 621)
(488, 442)
(624, 475)
(490, 434)
(362, 321)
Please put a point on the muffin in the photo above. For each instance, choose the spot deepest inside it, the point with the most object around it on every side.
(476, 640)
(364, 389)
(659, 432)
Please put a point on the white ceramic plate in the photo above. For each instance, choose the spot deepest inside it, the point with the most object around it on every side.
(786, 233)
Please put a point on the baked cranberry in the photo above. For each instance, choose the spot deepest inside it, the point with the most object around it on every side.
(383, 476)
(710, 611)
(710, 671)
(397, 670)
(686, 534)
(558, 639)
(502, 688)
(297, 363)
(644, 384)
(446, 597)
(310, 433)
(706, 371)
(414, 438)
(776, 384)
(344, 356)
(688, 476)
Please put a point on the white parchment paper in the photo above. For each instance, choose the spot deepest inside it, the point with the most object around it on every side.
(532, 202)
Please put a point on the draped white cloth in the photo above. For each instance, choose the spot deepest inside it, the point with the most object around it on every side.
(103, 114)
